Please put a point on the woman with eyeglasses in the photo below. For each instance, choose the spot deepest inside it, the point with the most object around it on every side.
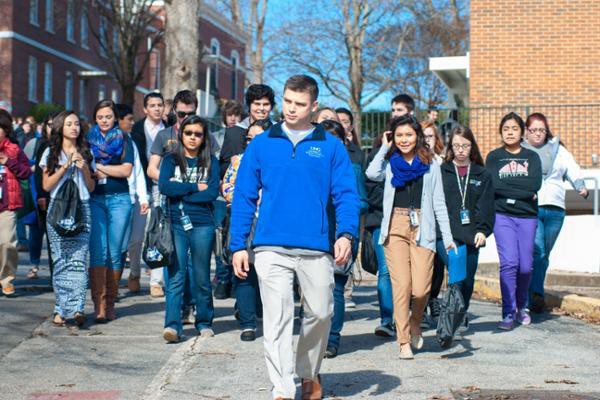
(517, 176)
(110, 205)
(470, 202)
(189, 178)
(558, 165)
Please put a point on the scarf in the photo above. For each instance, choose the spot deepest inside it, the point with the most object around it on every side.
(404, 172)
(105, 148)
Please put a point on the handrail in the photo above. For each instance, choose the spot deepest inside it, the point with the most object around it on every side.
(596, 187)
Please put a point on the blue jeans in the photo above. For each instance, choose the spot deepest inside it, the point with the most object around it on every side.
(36, 237)
(247, 298)
(550, 221)
(21, 232)
(384, 284)
(199, 243)
(223, 272)
(337, 319)
(466, 286)
(111, 214)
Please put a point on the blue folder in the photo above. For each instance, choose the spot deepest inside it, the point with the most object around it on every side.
(457, 264)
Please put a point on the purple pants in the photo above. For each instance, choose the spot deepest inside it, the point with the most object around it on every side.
(514, 241)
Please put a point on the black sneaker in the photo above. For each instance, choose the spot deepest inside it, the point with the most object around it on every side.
(538, 305)
(222, 291)
(248, 335)
(386, 331)
(434, 308)
(331, 352)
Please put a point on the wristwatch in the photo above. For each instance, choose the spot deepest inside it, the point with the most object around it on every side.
(347, 236)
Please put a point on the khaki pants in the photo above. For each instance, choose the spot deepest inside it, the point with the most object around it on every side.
(276, 278)
(410, 268)
(9, 257)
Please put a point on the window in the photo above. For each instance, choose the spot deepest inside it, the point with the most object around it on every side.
(50, 15)
(83, 28)
(102, 36)
(69, 90)
(155, 70)
(101, 92)
(214, 71)
(32, 79)
(47, 82)
(71, 21)
(82, 92)
(34, 12)
(114, 95)
(234, 73)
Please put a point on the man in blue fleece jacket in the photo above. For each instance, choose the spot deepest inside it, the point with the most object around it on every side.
(292, 170)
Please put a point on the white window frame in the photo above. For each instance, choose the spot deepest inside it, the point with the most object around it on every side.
(101, 92)
(32, 79)
(34, 12)
(114, 95)
(215, 49)
(84, 28)
(82, 93)
(235, 63)
(47, 82)
(68, 90)
(49, 23)
(70, 21)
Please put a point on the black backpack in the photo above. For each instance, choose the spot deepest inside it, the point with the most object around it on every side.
(159, 248)
(66, 216)
(452, 314)
(368, 257)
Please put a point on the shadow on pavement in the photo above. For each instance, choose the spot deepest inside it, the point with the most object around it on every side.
(366, 382)
(363, 341)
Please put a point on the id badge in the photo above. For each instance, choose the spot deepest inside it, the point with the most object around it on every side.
(0, 193)
(465, 218)
(186, 223)
(414, 218)
(511, 201)
(102, 181)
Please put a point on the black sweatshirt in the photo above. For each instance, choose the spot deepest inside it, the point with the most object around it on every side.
(374, 198)
(479, 201)
(516, 179)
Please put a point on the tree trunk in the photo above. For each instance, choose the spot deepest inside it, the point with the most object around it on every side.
(128, 93)
(182, 47)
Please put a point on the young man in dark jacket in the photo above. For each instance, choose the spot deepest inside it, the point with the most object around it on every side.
(294, 168)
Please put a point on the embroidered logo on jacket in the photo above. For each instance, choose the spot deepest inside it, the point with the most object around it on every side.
(514, 168)
(314, 151)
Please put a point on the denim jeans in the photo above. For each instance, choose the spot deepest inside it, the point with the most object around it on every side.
(247, 298)
(384, 284)
(223, 272)
(337, 319)
(36, 237)
(111, 214)
(21, 232)
(466, 286)
(199, 243)
(550, 221)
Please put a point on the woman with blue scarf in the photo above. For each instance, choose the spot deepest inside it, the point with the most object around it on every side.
(413, 201)
(111, 207)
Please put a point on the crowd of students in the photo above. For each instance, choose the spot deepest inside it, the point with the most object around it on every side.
(289, 197)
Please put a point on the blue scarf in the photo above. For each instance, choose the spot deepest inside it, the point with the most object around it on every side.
(105, 148)
(404, 172)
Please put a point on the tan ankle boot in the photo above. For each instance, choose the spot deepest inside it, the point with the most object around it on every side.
(98, 288)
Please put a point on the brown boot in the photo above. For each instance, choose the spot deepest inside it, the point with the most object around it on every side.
(98, 288)
(133, 283)
(114, 277)
(311, 389)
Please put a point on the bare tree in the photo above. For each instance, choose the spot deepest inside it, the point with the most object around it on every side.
(183, 50)
(135, 31)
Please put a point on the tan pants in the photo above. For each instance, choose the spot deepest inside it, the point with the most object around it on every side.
(9, 257)
(410, 268)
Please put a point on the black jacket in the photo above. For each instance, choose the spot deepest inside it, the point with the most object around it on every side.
(138, 134)
(374, 198)
(234, 143)
(479, 201)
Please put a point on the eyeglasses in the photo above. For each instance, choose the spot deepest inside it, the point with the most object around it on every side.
(461, 146)
(510, 128)
(198, 134)
(543, 131)
(183, 114)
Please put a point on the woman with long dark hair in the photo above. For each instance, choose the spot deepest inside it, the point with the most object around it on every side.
(516, 176)
(558, 165)
(413, 202)
(470, 202)
(68, 156)
(111, 207)
(189, 178)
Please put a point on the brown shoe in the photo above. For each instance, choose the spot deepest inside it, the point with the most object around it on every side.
(156, 291)
(112, 291)
(311, 389)
(98, 277)
(133, 284)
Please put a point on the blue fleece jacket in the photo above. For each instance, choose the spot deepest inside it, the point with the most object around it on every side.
(296, 184)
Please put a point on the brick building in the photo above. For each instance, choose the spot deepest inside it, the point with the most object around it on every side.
(532, 55)
(49, 54)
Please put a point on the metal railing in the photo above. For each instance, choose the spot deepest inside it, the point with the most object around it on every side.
(596, 189)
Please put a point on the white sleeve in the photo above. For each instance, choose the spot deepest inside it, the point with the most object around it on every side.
(573, 171)
(139, 179)
(44, 158)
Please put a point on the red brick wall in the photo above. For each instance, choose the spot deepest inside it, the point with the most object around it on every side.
(537, 52)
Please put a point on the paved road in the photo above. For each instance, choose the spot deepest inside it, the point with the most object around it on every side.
(127, 359)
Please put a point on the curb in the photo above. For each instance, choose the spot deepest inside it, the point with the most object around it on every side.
(588, 308)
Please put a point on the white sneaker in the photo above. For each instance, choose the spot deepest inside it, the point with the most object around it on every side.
(350, 304)
(206, 333)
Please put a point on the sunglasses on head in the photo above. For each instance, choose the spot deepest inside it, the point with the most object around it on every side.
(198, 134)
(183, 114)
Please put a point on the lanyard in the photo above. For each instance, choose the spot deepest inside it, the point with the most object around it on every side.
(463, 191)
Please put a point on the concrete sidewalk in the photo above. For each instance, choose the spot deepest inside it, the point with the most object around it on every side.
(127, 359)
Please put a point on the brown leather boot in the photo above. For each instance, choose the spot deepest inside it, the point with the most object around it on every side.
(311, 389)
(114, 277)
(98, 288)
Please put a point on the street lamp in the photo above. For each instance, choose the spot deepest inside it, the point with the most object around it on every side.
(209, 60)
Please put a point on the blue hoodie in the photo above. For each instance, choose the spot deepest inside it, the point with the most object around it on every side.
(296, 184)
